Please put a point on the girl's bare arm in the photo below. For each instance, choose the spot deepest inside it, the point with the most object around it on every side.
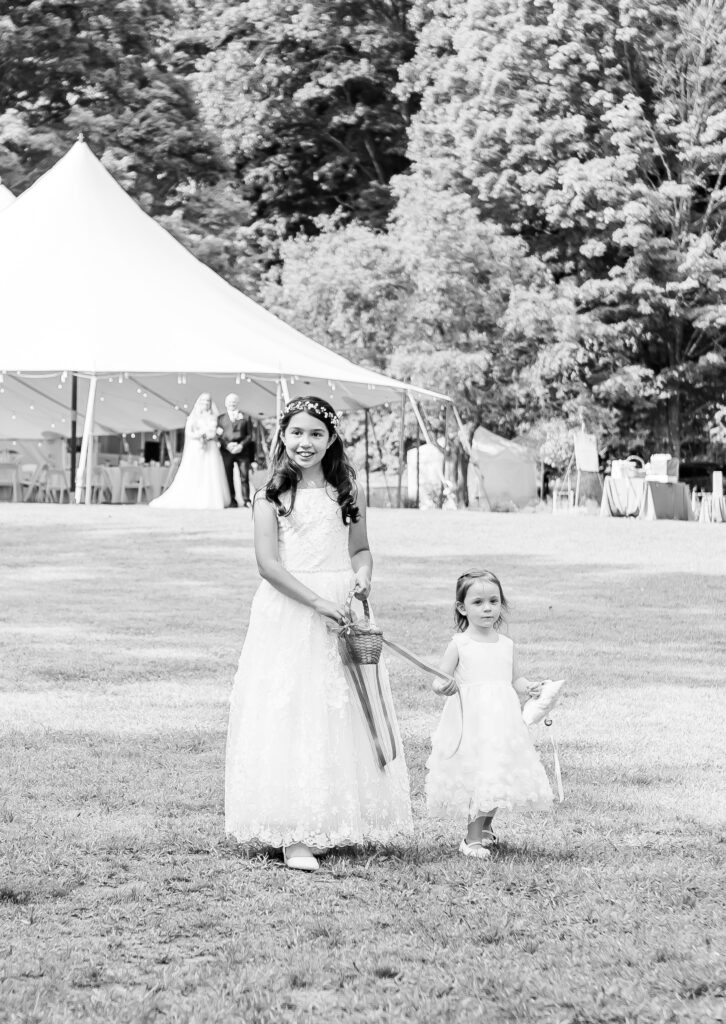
(361, 558)
(448, 665)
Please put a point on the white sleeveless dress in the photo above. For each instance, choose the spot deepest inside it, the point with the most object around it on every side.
(496, 764)
(299, 762)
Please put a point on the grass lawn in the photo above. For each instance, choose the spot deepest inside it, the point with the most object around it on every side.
(121, 899)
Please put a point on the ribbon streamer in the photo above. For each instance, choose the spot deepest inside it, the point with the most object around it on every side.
(375, 711)
(556, 757)
(403, 652)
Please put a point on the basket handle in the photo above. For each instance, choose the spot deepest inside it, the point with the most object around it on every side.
(363, 601)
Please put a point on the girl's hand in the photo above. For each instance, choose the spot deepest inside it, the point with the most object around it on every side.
(330, 610)
(534, 689)
(362, 585)
(444, 687)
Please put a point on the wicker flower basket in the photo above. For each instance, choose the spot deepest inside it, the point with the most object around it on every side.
(363, 640)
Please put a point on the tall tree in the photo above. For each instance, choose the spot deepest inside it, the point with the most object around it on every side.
(103, 67)
(595, 133)
(303, 98)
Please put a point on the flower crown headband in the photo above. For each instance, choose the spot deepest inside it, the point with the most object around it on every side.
(302, 405)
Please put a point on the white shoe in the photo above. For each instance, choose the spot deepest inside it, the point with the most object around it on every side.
(474, 850)
(299, 858)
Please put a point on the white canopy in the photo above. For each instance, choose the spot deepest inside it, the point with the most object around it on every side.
(91, 285)
(6, 197)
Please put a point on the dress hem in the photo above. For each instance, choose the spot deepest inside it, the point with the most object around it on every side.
(321, 842)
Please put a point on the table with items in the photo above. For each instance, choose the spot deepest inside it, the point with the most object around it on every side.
(646, 499)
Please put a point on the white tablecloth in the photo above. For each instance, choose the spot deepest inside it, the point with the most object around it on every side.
(648, 499)
(713, 509)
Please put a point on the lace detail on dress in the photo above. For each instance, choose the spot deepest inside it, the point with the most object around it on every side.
(299, 762)
(313, 538)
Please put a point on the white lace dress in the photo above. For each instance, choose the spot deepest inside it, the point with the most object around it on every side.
(200, 480)
(299, 762)
(496, 764)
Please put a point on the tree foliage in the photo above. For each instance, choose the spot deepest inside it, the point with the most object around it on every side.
(302, 97)
(104, 68)
(594, 133)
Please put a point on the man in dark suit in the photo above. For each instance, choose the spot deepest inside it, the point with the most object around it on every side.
(235, 432)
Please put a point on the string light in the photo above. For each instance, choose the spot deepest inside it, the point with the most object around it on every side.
(64, 376)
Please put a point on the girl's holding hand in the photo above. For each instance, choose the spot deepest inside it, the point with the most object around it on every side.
(495, 765)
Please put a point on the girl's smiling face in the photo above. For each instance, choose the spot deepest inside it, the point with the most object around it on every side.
(306, 440)
(482, 604)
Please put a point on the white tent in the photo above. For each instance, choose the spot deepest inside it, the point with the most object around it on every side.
(502, 473)
(92, 286)
(6, 197)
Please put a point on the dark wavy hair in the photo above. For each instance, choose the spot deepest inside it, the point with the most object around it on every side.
(462, 587)
(284, 475)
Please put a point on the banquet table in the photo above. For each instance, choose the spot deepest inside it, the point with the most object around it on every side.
(713, 509)
(647, 499)
(121, 477)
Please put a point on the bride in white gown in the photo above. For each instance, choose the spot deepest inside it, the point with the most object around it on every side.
(200, 481)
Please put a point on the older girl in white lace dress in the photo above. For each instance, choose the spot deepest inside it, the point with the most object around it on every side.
(489, 762)
(300, 770)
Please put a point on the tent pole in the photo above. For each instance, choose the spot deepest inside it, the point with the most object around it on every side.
(383, 463)
(419, 418)
(285, 389)
(278, 408)
(445, 453)
(462, 463)
(367, 463)
(74, 428)
(462, 429)
(85, 469)
(401, 443)
(418, 463)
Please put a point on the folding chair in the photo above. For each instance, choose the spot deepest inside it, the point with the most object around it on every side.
(10, 477)
(133, 481)
(32, 481)
(56, 485)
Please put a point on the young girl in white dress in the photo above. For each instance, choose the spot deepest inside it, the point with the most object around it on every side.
(495, 765)
(200, 481)
(301, 774)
